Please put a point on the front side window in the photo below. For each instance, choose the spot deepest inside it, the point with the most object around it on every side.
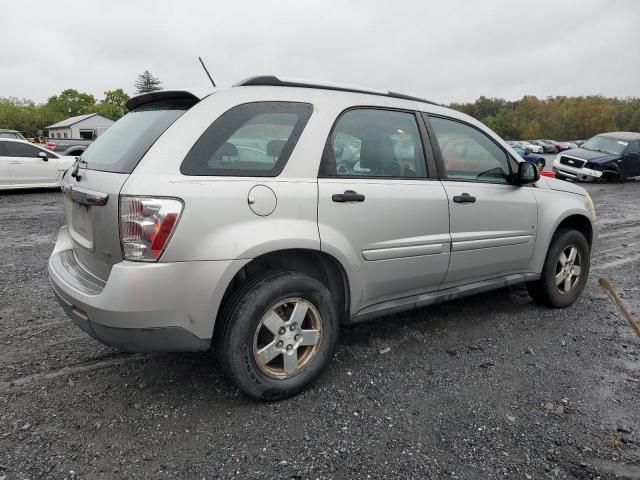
(253, 139)
(15, 149)
(633, 148)
(468, 154)
(368, 142)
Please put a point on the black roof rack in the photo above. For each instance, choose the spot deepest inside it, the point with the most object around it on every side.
(272, 80)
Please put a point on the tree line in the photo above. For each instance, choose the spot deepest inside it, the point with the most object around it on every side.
(32, 118)
(557, 118)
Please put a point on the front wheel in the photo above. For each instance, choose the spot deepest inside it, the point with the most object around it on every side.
(565, 271)
(278, 333)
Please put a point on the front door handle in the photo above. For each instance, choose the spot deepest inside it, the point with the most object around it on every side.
(347, 196)
(16, 163)
(464, 198)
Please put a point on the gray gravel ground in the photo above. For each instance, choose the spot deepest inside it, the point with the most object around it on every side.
(486, 387)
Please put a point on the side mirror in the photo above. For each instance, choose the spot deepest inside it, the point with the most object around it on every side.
(527, 173)
(43, 156)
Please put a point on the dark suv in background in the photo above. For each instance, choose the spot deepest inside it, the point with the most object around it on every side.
(608, 156)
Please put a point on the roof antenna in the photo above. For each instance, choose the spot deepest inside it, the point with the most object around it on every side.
(207, 71)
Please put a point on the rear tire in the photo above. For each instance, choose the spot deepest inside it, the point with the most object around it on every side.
(563, 278)
(279, 331)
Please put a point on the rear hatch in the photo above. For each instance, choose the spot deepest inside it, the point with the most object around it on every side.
(93, 185)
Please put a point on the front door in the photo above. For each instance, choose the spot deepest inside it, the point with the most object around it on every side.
(5, 173)
(493, 222)
(630, 165)
(378, 212)
(27, 168)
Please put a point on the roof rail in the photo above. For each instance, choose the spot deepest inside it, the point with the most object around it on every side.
(272, 80)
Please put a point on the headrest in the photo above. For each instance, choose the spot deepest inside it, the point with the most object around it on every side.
(274, 147)
(377, 152)
(227, 149)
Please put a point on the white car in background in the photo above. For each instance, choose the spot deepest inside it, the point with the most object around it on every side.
(25, 165)
(532, 147)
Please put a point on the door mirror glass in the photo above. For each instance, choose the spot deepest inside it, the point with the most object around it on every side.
(527, 173)
(43, 155)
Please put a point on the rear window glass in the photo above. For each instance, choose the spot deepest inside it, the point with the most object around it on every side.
(120, 148)
(253, 139)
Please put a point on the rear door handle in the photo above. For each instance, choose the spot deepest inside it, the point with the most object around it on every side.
(347, 196)
(464, 198)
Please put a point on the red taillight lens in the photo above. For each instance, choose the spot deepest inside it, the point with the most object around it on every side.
(146, 224)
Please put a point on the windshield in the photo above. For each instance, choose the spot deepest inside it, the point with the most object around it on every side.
(123, 145)
(600, 143)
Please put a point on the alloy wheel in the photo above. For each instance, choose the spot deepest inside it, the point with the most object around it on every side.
(568, 269)
(287, 338)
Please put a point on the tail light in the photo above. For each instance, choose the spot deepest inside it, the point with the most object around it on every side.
(50, 145)
(146, 225)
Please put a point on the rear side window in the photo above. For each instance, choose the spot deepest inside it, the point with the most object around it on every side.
(374, 143)
(120, 148)
(250, 140)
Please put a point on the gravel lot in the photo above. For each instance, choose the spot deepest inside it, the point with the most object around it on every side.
(486, 387)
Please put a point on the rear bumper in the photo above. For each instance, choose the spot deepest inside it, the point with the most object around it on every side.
(142, 307)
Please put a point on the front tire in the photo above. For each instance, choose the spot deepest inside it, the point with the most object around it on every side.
(278, 333)
(565, 271)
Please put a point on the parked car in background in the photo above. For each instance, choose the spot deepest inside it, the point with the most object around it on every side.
(72, 147)
(25, 165)
(531, 146)
(571, 144)
(264, 216)
(530, 157)
(561, 146)
(608, 156)
(4, 133)
(546, 147)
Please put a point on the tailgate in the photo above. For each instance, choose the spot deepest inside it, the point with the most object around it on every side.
(91, 210)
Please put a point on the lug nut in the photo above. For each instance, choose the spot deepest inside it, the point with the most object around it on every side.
(298, 337)
(289, 347)
(280, 344)
(293, 326)
(282, 331)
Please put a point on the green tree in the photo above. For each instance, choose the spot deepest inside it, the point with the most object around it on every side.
(70, 102)
(146, 83)
(113, 103)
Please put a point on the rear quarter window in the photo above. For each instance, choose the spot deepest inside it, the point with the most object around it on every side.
(249, 140)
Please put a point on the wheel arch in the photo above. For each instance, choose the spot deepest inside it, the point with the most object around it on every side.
(577, 222)
(317, 264)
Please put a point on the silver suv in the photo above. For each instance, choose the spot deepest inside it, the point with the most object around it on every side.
(260, 218)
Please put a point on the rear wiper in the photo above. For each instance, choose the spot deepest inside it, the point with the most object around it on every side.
(75, 173)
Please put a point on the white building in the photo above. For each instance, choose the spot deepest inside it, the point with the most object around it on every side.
(83, 126)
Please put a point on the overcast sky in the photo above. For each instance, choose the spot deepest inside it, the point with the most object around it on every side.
(444, 50)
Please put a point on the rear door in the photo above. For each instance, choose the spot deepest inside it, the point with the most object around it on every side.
(378, 210)
(493, 222)
(28, 168)
(92, 196)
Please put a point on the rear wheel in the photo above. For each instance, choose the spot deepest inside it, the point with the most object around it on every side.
(565, 271)
(279, 332)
